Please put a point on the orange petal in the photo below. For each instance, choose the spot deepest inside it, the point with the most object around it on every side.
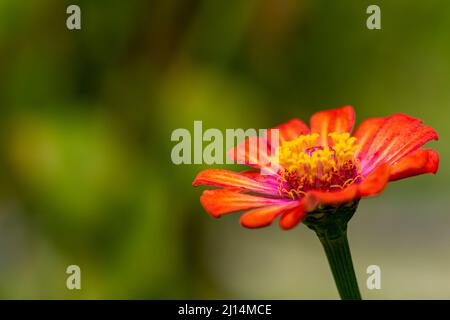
(262, 217)
(221, 201)
(365, 134)
(337, 120)
(292, 129)
(256, 151)
(375, 182)
(334, 197)
(264, 178)
(253, 151)
(419, 162)
(230, 179)
(251, 173)
(292, 217)
(409, 144)
(398, 136)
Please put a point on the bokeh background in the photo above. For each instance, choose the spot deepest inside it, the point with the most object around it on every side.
(86, 118)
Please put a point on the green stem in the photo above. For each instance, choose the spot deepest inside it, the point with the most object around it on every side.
(330, 225)
(340, 261)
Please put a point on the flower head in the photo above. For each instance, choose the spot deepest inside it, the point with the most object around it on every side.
(319, 167)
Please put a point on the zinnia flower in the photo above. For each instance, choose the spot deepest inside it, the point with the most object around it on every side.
(320, 167)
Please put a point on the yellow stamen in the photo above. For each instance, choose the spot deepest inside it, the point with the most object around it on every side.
(309, 165)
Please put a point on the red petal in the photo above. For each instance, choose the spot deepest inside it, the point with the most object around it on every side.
(334, 197)
(398, 136)
(375, 182)
(260, 157)
(253, 151)
(292, 129)
(365, 134)
(292, 217)
(230, 179)
(262, 217)
(251, 173)
(419, 162)
(221, 201)
(337, 120)
(266, 179)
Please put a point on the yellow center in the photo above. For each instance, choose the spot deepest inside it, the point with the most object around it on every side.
(309, 166)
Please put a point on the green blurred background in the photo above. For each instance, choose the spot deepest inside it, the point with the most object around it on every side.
(86, 118)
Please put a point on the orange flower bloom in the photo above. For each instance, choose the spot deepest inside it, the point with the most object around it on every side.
(323, 165)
